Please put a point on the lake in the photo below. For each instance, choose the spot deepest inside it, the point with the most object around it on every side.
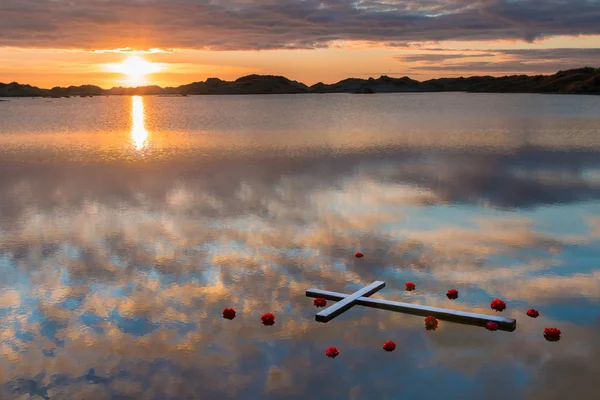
(127, 225)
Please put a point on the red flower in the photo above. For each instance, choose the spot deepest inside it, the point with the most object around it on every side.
(431, 323)
(268, 319)
(332, 352)
(359, 254)
(389, 346)
(229, 313)
(498, 305)
(410, 286)
(491, 326)
(320, 302)
(452, 294)
(533, 313)
(552, 334)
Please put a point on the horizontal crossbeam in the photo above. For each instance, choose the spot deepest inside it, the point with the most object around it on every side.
(347, 301)
(462, 317)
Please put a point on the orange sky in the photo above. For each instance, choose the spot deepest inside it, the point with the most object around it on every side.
(56, 67)
(59, 43)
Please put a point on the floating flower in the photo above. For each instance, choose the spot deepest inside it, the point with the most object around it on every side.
(498, 305)
(332, 352)
(533, 313)
(229, 313)
(268, 319)
(410, 286)
(359, 254)
(491, 326)
(552, 334)
(389, 346)
(452, 294)
(320, 302)
(431, 323)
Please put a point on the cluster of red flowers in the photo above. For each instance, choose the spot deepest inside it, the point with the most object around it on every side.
(320, 302)
(359, 254)
(491, 326)
(552, 334)
(229, 313)
(268, 319)
(452, 294)
(332, 352)
(498, 305)
(410, 286)
(431, 323)
(389, 346)
(533, 313)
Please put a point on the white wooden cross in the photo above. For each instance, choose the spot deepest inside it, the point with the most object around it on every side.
(361, 297)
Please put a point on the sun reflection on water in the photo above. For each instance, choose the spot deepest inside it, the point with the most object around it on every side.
(139, 134)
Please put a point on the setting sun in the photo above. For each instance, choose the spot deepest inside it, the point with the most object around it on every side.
(136, 69)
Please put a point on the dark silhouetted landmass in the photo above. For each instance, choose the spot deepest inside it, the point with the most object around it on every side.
(251, 84)
(574, 81)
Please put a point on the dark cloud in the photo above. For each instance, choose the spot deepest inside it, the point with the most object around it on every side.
(268, 24)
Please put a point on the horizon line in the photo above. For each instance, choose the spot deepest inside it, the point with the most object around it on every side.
(292, 80)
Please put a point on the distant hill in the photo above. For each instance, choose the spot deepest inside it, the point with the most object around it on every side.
(582, 81)
(251, 84)
(574, 81)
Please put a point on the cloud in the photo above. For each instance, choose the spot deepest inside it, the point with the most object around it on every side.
(440, 57)
(286, 24)
(502, 61)
(128, 50)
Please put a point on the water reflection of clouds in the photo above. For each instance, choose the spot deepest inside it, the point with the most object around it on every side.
(127, 274)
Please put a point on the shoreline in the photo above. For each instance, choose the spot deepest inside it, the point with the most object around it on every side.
(7, 98)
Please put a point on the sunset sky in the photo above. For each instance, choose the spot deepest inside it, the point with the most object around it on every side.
(66, 42)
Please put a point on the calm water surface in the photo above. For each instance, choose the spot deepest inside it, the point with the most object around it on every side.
(128, 224)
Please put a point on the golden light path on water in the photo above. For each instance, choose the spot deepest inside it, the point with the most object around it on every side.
(139, 134)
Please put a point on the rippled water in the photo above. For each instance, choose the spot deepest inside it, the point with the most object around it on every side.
(128, 224)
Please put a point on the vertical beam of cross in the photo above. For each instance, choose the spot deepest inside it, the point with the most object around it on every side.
(347, 302)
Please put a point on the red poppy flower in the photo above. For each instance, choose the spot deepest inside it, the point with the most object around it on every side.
(431, 323)
(229, 313)
(320, 302)
(498, 305)
(359, 254)
(491, 326)
(389, 346)
(552, 334)
(533, 313)
(452, 294)
(332, 352)
(410, 286)
(268, 319)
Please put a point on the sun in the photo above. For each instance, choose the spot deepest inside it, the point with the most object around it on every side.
(135, 68)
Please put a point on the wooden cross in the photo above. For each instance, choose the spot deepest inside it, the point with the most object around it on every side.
(361, 297)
